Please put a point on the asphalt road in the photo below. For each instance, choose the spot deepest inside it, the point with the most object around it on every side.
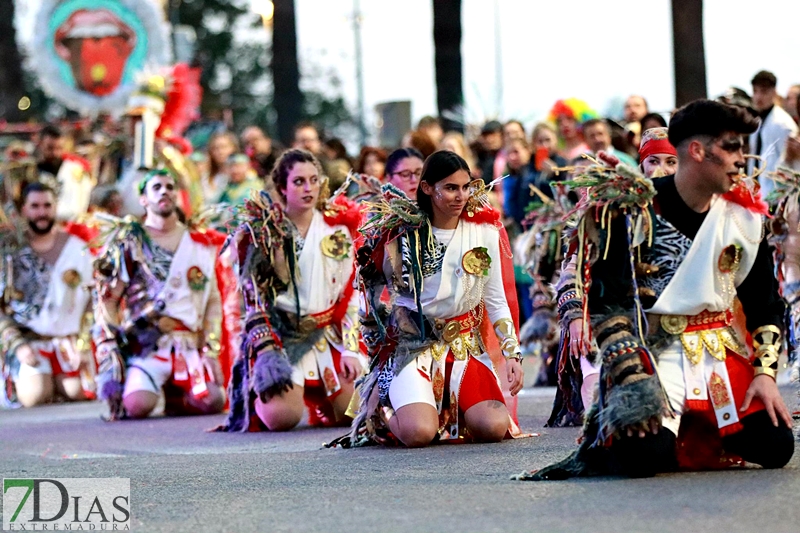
(185, 479)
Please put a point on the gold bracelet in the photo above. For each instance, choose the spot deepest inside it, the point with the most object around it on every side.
(766, 341)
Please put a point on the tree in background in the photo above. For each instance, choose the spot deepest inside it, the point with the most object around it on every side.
(688, 50)
(447, 43)
(12, 84)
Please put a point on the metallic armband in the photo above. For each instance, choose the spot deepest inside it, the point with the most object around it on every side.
(213, 345)
(767, 345)
(508, 339)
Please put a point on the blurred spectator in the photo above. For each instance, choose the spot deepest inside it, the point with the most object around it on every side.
(769, 141)
(403, 170)
(106, 199)
(513, 129)
(420, 142)
(306, 137)
(455, 142)
(433, 128)
(242, 179)
(221, 146)
(66, 173)
(597, 133)
(568, 116)
(658, 157)
(635, 108)
(790, 103)
(50, 150)
(339, 163)
(489, 144)
(652, 120)
(372, 162)
(516, 185)
(544, 145)
(259, 147)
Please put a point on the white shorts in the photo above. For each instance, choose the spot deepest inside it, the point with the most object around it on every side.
(26, 371)
(409, 386)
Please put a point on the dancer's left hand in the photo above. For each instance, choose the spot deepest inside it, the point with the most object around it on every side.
(515, 375)
(765, 388)
(350, 368)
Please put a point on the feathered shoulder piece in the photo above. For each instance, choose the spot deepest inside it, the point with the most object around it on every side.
(119, 239)
(787, 183)
(260, 240)
(12, 234)
(544, 213)
(606, 183)
(479, 210)
(200, 225)
(391, 214)
(745, 193)
(341, 211)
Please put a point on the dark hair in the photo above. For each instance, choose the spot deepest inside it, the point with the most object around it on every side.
(338, 148)
(398, 155)
(437, 167)
(306, 124)
(50, 130)
(654, 117)
(102, 195)
(31, 188)
(707, 117)
(285, 164)
(595, 121)
(764, 78)
(367, 151)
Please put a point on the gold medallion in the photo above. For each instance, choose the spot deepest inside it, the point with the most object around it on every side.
(72, 278)
(477, 261)
(307, 324)
(451, 330)
(336, 246)
(729, 259)
(674, 324)
(197, 280)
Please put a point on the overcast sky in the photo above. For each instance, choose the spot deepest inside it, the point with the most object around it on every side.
(596, 50)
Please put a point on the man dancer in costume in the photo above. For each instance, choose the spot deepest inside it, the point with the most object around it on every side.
(296, 270)
(447, 269)
(658, 159)
(166, 277)
(44, 296)
(688, 396)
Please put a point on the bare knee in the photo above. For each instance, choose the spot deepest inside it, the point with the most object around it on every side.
(281, 413)
(34, 390)
(71, 388)
(214, 402)
(140, 404)
(487, 421)
(415, 424)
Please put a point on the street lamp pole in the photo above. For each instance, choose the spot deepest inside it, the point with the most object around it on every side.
(362, 127)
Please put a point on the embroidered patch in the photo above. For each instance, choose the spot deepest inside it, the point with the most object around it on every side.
(197, 280)
(336, 245)
(330, 379)
(719, 392)
(730, 258)
(438, 386)
(477, 261)
(72, 278)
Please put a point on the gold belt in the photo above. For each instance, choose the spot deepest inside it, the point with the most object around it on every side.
(461, 336)
(709, 331)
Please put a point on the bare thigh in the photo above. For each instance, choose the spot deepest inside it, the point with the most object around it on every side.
(487, 421)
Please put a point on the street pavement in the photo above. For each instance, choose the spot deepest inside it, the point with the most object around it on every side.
(186, 479)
